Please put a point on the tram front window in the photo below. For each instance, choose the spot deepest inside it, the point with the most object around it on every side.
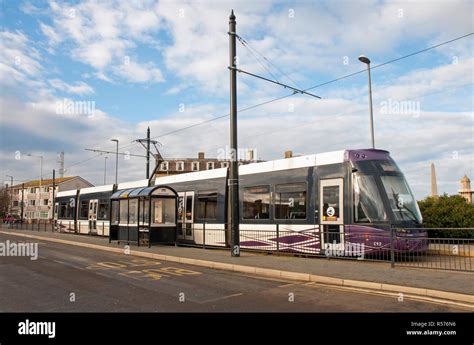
(402, 202)
(368, 205)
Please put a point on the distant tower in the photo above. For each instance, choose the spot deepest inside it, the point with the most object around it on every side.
(434, 186)
(61, 164)
(465, 190)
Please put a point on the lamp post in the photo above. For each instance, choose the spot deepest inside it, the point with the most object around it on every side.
(41, 180)
(105, 168)
(116, 160)
(11, 193)
(366, 60)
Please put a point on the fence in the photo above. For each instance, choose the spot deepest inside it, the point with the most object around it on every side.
(435, 248)
(101, 229)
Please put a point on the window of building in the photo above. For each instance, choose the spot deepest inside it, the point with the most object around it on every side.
(103, 209)
(163, 211)
(123, 211)
(45, 202)
(290, 201)
(224, 164)
(32, 202)
(210, 165)
(195, 166)
(84, 209)
(43, 214)
(179, 166)
(15, 203)
(164, 166)
(32, 190)
(46, 189)
(257, 202)
(206, 206)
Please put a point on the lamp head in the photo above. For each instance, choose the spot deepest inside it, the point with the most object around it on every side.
(364, 59)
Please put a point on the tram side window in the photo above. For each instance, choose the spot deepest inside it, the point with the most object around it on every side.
(290, 201)
(62, 209)
(123, 211)
(84, 209)
(115, 212)
(206, 206)
(103, 209)
(257, 202)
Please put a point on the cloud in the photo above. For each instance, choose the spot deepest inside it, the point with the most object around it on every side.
(80, 88)
(104, 34)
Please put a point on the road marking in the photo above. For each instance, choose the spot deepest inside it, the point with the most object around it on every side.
(392, 294)
(221, 298)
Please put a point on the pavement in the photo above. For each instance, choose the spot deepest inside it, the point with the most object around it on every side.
(377, 276)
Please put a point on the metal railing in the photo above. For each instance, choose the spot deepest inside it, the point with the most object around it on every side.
(437, 248)
(433, 248)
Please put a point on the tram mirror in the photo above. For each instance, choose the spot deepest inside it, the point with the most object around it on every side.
(355, 170)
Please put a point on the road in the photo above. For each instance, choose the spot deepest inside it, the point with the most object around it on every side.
(66, 278)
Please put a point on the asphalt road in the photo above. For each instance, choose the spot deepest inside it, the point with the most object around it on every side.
(66, 278)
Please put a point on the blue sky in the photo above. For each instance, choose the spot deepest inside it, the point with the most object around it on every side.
(164, 65)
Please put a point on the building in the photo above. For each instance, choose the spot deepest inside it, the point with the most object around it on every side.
(173, 166)
(37, 196)
(466, 191)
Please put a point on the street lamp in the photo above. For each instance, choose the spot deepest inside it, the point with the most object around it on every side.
(105, 168)
(366, 60)
(116, 160)
(11, 192)
(41, 180)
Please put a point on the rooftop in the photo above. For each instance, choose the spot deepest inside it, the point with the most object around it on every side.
(45, 182)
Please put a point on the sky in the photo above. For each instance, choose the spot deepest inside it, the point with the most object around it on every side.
(75, 74)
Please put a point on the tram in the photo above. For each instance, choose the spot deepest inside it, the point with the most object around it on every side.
(308, 204)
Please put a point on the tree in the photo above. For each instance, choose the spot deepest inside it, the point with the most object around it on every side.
(448, 212)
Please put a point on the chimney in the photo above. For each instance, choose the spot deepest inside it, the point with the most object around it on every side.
(288, 154)
(201, 155)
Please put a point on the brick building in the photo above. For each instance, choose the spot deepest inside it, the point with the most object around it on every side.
(37, 196)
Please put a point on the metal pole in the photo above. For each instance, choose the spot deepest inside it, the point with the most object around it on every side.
(234, 168)
(392, 247)
(148, 153)
(53, 199)
(371, 109)
(116, 160)
(22, 200)
(105, 169)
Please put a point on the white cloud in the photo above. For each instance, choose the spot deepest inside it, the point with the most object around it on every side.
(80, 88)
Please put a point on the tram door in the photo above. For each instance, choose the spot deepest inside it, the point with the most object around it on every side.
(93, 215)
(331, 194)
(185, 215)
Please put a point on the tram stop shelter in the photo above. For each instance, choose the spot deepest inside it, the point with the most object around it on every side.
(144, 215)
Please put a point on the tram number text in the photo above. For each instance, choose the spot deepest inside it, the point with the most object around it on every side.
(377, 244)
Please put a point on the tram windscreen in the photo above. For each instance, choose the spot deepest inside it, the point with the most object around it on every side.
(368, 205)
(402, 202)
